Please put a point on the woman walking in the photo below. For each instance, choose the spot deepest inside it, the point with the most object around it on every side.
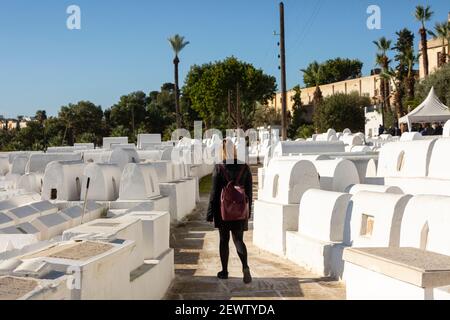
(230, 206)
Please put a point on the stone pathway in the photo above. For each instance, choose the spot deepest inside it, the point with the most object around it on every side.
(197, 262)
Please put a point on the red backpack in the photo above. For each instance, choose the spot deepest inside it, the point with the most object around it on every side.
(233, 199)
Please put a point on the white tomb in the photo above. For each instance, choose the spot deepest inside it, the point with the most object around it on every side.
(38, 161)
(19, 200)
(276, 212)
(104, 182)
(286, 180)
(439, 160)
(51, 225)
(119, 156)
(75, 213)
(99, 269)
(336, 174)
(164, 170)
(148, 140)
(375, 219)
(19, 164)
(318, 243)
(21, 229)
(446, 130)
(30, 182)
(354, 189)
(23, 288)
(23, 214)
(62, 180)
(285, 148)
(109, 141)
(182, 195)
(411, 136)
(155, 231)
(149, 155)
(108, 230)
(139, 182)
(405, 159)
(4, 164)
(352, 140)
(419, 269)
(44, 207)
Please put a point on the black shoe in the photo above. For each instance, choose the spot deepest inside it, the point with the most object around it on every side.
(247, 276)
(222, 275)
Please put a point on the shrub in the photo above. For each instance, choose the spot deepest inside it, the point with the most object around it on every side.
(341, 111)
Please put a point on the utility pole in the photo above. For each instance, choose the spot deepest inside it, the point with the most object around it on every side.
(283, 75)
(229, 109)
(238, 107)
(132, 120)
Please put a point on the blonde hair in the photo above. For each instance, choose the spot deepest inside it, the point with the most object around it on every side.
(226, 144)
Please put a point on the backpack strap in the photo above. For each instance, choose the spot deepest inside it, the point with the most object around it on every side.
(224, 172)
(240, 173)
(227, 177)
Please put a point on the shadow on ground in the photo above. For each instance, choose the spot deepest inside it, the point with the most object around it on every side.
(197, 262)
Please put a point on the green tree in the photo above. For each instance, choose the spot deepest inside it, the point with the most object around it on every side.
(384, 46)
(297, 113)
(83, 117)
(178, 43)
(207, 87)
(399, 77)
(423, 15)
(403, 45)
(160, 109)
(129, 112)
(314, 73)
(341, 111)
(54, 130)
(332, 70)
(304, 132)
(440, 80)
(410, 59)
(266, 116)
(29, 138)
(394, 77)
(41, 116)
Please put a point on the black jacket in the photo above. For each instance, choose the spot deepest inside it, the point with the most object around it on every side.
(218, 183)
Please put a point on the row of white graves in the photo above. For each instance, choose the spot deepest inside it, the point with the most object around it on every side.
(110, 240)
(379, 223)
(160, 183)
(417, 166)
(382, 243)
(127, 257)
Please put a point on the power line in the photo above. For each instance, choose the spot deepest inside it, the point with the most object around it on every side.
(308, 25)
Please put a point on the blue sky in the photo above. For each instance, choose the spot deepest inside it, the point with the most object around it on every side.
(122, 46)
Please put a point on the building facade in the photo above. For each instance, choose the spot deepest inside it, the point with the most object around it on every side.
(434, 49)
(368, 86)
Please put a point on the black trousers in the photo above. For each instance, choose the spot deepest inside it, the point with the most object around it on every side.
(238, 239)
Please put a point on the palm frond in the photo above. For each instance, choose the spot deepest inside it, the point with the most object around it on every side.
(178, 43)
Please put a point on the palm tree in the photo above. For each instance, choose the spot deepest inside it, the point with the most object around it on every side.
(315, 73)
(424, 14)
(41, 116)
(410, 59)
(384, 45)
(442, 32)
(393, 76)
(448, 39)
(177, 42)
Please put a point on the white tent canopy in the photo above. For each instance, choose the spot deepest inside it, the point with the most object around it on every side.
(430, 110)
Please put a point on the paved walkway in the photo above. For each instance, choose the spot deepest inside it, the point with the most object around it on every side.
(197, 262)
